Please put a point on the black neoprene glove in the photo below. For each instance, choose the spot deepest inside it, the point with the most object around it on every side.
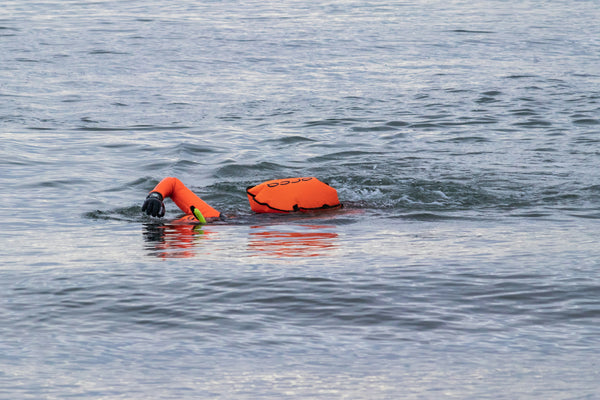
(154, 205)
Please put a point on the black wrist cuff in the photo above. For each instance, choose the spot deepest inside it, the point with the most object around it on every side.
(155, 195)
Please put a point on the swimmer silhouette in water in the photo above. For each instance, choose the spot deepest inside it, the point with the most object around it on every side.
(275, 196)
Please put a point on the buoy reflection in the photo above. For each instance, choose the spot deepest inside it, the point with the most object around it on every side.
(310, 241)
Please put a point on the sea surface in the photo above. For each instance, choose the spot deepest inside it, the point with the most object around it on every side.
(463, 138)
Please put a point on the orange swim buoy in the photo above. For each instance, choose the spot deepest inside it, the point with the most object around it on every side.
(293, 194)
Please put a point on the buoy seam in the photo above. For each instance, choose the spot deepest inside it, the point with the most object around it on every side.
(295, 208)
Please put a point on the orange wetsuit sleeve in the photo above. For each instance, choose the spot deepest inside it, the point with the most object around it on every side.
(184, 197)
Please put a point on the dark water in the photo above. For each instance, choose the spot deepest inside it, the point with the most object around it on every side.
(463, 138)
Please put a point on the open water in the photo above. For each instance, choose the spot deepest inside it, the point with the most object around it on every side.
(462, 136)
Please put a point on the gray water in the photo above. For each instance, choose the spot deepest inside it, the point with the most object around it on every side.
(462, 137)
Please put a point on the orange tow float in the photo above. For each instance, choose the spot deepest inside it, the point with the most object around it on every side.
(294, 194)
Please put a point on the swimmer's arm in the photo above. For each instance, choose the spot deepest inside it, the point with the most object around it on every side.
(184, 198)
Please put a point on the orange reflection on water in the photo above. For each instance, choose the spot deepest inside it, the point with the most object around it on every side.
(182, 238)
(310, 242)
(177, 239)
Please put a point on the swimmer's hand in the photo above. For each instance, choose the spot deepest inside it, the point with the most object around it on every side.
(154, 205)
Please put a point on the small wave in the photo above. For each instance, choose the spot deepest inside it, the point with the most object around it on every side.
(466, 139)
(8, 28)
(377, 128)
(103, 52)
(235, 170)
(58, 183)
(149, 128)
(531, 214)
(534, 123)
(587, 215)
(289, 140)
(27, 60)
(428, 216)
(332, 122)
(470, 31)
(342, 155)
(188, 148)
(130, 214)
(396, 124)
(521, 76)
(523, 112)
(424, 125)
(587, 121)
